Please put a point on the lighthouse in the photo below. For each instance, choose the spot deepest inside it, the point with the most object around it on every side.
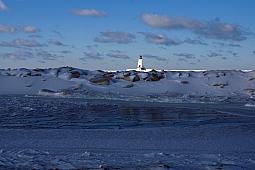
(140, 66)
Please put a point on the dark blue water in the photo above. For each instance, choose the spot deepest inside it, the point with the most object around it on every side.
(74, 133)
(57, 113)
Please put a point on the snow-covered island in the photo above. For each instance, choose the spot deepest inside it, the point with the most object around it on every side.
(164, 85)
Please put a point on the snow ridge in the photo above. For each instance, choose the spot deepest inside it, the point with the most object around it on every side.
(162, 85)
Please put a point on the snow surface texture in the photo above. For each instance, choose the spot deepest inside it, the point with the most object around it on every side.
(154, 85)
(38, 132)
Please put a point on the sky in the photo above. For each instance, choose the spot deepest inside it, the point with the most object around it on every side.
(111, 34)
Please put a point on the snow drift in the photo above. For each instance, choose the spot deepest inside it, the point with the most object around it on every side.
(68, 81)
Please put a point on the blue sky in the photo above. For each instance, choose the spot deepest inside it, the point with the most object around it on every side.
(96, 34)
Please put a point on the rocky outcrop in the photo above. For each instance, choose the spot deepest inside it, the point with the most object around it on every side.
(101, 79)
(75, 74)
(134, 76)
(155, 76)
(221, 85)
(184, 82)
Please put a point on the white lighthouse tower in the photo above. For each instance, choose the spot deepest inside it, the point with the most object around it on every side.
(140, 66)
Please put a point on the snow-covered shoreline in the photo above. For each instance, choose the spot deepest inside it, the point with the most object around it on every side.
(67, 81)
(49, 132)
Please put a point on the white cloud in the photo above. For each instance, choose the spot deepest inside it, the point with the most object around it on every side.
(88, 12)
(7, 29)
(185, 55)
(159, 39)
(45, 55)
(115, 37)
(19, 43)
(214, 29)
(2, 6)
(155, 57)
(30, 29)
(92, 55)
(18, 55)
(169, 22)
(117, 56)
(56, 42)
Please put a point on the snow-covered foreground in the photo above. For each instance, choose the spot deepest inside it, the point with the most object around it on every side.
(76, 133)
(130, 85)
(206, 147)
(68, 118)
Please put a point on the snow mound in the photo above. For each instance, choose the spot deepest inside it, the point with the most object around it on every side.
(156, 84)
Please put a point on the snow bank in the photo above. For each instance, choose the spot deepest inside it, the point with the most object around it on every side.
(163, 84)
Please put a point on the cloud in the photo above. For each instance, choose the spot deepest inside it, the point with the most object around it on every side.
(58, 33)
(91, 47)
(222, 44)
(234, 54)
(57, 43)
(116, 51)
(214, 29)
(2, 6)
(183, 59)
(41, 61)
(185, 55)
(165, 22)
(88, 12)
(19, 43)
(118, 56)
(18, 55)
(35, 36)
(194, 42)
(65, 52)
(45, 55)
(154, 57)
(12, 29)
(234, 45)
(115, 37)
(253, 52)
(164, 48)
(30, 29)
(189, 59)
(92, 55)
(159, 39)
(7, 29)
(213, 54)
